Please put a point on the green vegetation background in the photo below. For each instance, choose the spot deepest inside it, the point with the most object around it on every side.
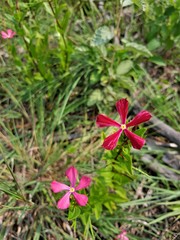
(69, 61)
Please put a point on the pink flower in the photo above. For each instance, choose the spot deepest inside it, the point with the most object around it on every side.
(122, 235)
(8, 34)
(122, 107)
(81, 199)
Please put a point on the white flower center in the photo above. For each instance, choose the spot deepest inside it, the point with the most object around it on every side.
(72, 189)
(123, 126)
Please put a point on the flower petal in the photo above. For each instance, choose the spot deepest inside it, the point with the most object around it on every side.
(122, 108)
(141, 117)
(84, 183)
(125, 238)
(81, 199)
(9, 32)
(111, 141)
(58, 187)
(122, 237)
(4, 35)
(104, 121)
(64, 202)
(72, 173)
(136, 141)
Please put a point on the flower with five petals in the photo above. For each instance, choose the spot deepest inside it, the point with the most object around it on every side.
(122, 107)
(7, 34)
(81, 199)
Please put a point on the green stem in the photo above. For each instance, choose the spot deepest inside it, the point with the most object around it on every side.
(59, 26)
(14, 177)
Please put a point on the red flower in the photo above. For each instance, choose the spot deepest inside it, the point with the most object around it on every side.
(122, 107)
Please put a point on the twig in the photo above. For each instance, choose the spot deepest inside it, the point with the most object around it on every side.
(155, 166)
(162, 128)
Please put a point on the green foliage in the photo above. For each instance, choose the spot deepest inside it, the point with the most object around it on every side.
(102, 35)
(68, 61)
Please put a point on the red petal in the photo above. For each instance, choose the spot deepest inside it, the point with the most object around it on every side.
(104, 121)
(122, 108)
(64, 202)
(141, 117)
(84, 183)
(72, 173)
(81, 199)
(136, 141)
(111, 141)
(58, 187)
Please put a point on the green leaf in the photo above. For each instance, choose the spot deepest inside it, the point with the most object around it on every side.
(140, 132)
(153, 44)
(138, 48)
(37, 233)
(124, 67)
(48, 9)
(94, 77)
(97, 210)
(10, 191)
(126, 3)
(141, 4)
(74, 213)
(158, 60)
(95, 97)
(167, 215)
(102, 35)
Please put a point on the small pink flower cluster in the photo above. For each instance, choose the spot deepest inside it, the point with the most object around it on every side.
(122, 235)
(7, 34)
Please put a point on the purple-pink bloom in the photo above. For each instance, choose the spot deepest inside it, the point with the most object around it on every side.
(81, 199)
(122, 235)
(122, 107)
(7, 34)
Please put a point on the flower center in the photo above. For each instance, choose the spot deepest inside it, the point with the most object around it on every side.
(72, 189)
(123, 126)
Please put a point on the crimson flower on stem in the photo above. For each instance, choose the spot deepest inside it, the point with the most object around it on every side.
(81, 199)
(122, 235)
(7, 34)
(122, 107)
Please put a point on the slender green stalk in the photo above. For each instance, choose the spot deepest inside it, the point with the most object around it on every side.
(13, 176)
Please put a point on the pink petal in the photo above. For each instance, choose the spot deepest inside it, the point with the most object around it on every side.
(4, 35)
(111, 141)
(136, 141)
(72, 173)
(122, 108)
(84, 183)
(81, 199)
(58, 187)
(141, 117)
(104, 121)
(126, 238)
(64, 202)
(9, 32)
(122, 236)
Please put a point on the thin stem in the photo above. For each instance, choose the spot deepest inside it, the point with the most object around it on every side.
(17, 5)
(59, 26)
(34, 62)
(14, 177)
